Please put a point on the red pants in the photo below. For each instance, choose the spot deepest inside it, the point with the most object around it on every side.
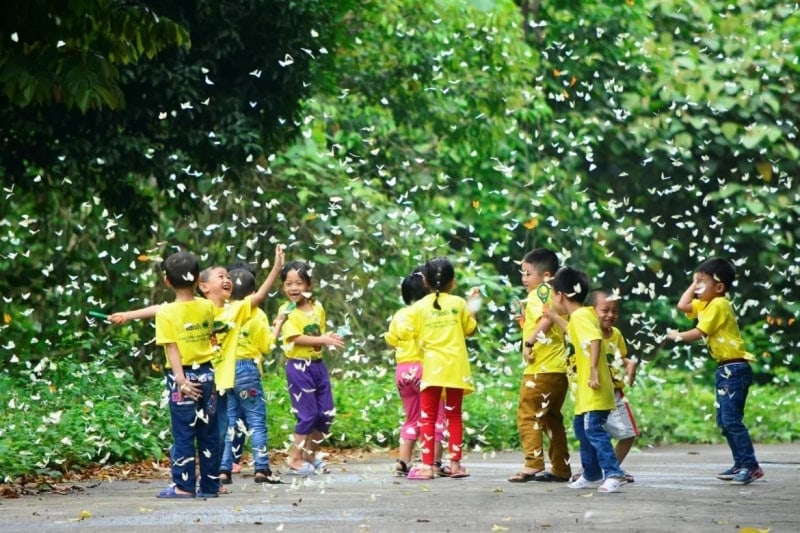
(429, 400)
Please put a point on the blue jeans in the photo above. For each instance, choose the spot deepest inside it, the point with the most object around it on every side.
(195, 437)
(733, 381)
(248, 395)
(597, 454)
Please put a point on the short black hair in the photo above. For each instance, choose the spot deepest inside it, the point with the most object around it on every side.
(542, 259)
(241, 264)
(720, 269)
(413, 287)
(243, 283)
(573, 283)
(596, 294)
(182, 270)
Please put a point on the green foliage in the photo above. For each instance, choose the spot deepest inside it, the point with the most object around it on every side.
(69, 52)
(633, 138)
(68, 414)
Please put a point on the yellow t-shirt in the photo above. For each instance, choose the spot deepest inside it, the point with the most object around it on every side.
(188, 325)
(441, 338)
(584, 327)
(549, 357)
(301, 323)
(717, 321)
(401, 337)
(227, 323)
(255, 337)
(614, 349)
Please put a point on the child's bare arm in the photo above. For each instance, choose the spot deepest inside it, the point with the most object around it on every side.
(328, 339)
(691, 335)
(542, 327)
(189, 389)
(685, 301)
(630, 370)
(135, 314)
(261, 294)
(594, 359)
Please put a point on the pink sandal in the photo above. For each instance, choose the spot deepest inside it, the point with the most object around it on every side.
(419, 474)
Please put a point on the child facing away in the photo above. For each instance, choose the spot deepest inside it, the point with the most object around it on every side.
(255, 338)
(544, 380)
(705, 299)
(408, 374)
(441, 322)
(307, 377)
(183, 328)
(621, 424)
(594, 392)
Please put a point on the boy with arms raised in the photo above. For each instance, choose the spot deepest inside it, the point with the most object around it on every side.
(705, 300)
(544, 380)
(594, 393)
(183, 328)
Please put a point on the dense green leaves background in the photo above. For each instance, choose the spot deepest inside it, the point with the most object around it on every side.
(635, 138)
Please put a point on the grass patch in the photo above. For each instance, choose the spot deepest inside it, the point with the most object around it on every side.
(64, 416)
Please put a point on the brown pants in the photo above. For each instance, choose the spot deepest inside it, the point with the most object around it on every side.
(541, 397)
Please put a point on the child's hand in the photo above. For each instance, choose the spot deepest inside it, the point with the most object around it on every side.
(594, 381)
(520, 316)
(474, 301)
(118, 318)
(191, 390)
(279, 256)
(674, 335)
(527, 356)
(333, 340)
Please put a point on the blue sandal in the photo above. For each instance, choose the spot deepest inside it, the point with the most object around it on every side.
(170, 492)
(306, 470)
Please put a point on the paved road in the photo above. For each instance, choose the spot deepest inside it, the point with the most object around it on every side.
(675, 490)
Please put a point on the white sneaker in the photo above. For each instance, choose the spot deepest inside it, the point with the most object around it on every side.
(583, 483)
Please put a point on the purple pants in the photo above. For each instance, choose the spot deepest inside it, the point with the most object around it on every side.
(310, 394)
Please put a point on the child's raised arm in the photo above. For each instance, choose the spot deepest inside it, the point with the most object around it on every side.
(260, 295)
(685, 302)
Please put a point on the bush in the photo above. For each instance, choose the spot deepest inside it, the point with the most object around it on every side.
(69, 414)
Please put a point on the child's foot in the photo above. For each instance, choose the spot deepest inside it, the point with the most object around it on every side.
(401, 468)
(457, 471)
(421, 472)
(266, 476)
(237, 468)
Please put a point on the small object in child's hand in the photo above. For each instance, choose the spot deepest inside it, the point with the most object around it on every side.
(97, 314)
(474, 301)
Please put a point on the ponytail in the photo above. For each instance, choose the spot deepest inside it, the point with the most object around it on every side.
(439, 273)
(438, 287)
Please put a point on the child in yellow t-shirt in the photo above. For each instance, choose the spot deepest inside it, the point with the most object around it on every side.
(621, 425)
(304, 334)
(183, 328)
(594, 392)
(705, 300)
(441, 322)
(544, 381)
(408, 374)
(255, 339)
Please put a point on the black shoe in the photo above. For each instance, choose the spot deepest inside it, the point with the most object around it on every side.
(547, 476)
